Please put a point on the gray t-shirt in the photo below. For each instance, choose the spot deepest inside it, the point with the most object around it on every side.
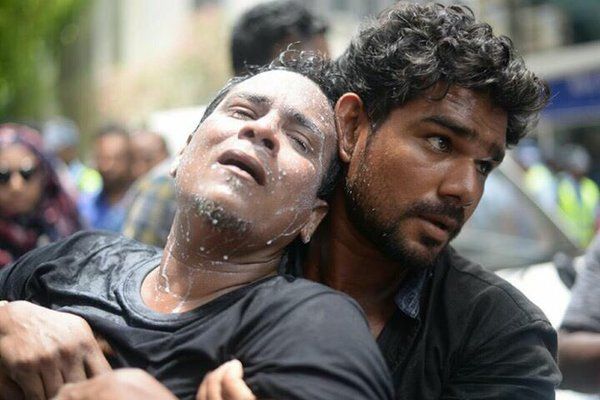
(583, 313)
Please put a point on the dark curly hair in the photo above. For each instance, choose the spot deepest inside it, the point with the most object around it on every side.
(314, 67)
(410, 48)
(258, 31)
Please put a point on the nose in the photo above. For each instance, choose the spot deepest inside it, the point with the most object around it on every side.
(262, 133)
(462, 184)
(16, 182)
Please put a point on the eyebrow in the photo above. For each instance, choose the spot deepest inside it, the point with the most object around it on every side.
(254, 98)
(302, 120)
(289, 112)
(462, 131)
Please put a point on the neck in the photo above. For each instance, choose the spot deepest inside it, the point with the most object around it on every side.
(114, 194)
(196, 269)
(356, 267)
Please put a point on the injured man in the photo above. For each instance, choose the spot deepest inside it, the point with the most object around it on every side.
(251, 185)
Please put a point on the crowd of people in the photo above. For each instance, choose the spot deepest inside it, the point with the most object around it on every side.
(298, 246)
(48, 193)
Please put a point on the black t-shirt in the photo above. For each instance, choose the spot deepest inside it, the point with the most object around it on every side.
(476, 337)
(296, 339)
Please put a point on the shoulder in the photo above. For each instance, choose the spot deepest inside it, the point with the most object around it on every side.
(302, 300)
(481, 289)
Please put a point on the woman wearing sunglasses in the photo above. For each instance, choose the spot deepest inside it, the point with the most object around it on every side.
(34, 208)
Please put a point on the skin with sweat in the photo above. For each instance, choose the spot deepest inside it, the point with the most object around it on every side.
(246, 187)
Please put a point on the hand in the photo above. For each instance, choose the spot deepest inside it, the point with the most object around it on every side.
(120, 384)
(225, 383)
(42, 349)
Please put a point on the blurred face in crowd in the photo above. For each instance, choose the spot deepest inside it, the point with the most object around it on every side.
(147, 150)
(256, 163)
(21, 180)
(414, 181)
(113, 160)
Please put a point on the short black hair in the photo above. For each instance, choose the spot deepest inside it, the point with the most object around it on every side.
(265, 26)
(411, 47)
(314, 67)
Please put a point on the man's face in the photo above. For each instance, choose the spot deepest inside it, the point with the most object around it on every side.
(256, 163)
(413, 183)
(113, 160)
(147, 151)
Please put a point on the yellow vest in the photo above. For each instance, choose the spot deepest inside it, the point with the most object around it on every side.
(579, 208)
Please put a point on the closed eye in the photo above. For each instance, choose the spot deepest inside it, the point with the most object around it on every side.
(241, 113)
(300, 143)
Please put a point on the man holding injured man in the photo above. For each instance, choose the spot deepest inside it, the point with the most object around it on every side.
(250, 185)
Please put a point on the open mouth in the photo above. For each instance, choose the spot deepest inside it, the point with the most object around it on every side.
(245, 164)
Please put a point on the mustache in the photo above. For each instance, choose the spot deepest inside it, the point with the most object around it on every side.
(449, 210)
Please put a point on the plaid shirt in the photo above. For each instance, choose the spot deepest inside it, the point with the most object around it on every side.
(153, 208)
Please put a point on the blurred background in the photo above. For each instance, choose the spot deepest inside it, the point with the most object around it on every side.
(123, 60)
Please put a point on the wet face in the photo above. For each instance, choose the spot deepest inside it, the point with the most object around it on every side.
(256, 163)
(113, 160)
(147, 151)
(21, 180)
(413, 182)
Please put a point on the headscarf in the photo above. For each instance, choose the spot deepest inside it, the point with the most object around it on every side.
(55, 215)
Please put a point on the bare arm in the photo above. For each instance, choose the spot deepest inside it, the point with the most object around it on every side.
(579, 360)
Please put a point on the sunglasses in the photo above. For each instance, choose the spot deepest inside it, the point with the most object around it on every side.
(26, 173)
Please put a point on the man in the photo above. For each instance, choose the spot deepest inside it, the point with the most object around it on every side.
(148, 149)
(214, 294)
(61, 139)
(433, 100)
(267, 29)
(112, 154)
(258, 36)
(579, 335)
(578, 197)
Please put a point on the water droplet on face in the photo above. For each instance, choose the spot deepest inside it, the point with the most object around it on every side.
(201, 248)
(214, 166)
(225, 257)
(269, 242)
(214, 221)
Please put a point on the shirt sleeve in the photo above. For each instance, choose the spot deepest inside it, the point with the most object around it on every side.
(319, 349)
(15, 277)
(583, 312)
(517, 361)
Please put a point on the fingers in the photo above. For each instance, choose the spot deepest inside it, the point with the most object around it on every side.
(9, 390)
(52, 380)
(96, 363)
(234, 387)
(31, 385)
(225, 383)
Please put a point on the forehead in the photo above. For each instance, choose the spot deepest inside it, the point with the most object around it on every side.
(15, 151)
(471, 110)
(285, 88)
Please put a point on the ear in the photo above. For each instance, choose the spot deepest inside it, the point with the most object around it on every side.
(177, 159)
(316, 216)
(351, 120)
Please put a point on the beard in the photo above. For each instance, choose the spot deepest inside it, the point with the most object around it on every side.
(220, 218)
(385, 233)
